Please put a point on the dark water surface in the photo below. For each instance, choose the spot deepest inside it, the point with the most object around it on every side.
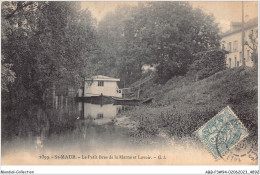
(78, 128)
(67, 127)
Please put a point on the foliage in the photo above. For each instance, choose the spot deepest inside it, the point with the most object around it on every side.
(157, 33)
(113, 59)
(7, 75)
(48, 43)
(183, 108)
(208, 63)
(177, 37)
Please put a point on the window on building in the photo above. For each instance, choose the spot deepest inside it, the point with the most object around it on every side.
(229, 62)
(235, 61)
(229, 47)
(235, 46)
(100, 83)
(100, 116)
(248, 55)
(223, 46)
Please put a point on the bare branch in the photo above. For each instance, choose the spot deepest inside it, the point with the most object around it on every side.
(246, 43)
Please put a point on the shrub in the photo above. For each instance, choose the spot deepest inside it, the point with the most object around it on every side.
(208, 63)
(182, 107)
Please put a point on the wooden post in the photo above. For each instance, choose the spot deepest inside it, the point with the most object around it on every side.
(53, 96)
(82, 115)
(83, 90)
(66, 102)
(56, 102)
(61, 101)
(124, 91)
(101, 99)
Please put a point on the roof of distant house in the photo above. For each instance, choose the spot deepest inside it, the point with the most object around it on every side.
(237, 26)
(103, 78)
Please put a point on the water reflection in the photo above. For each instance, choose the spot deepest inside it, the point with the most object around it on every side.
(67, 126)
(99, 113)
(29, 131)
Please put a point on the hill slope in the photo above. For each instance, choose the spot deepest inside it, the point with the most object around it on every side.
(182, 105)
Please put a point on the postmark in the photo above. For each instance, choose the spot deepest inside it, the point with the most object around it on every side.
(244, 151)
(222, 132)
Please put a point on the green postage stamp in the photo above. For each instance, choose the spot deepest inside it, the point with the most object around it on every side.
(222, 132)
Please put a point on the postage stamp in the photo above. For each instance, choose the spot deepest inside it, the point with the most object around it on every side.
(222, 132)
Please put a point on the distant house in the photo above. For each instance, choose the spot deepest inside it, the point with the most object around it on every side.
(232, 42)
(101, 85)
(147, 68)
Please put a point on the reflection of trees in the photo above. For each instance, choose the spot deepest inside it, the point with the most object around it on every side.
(24, 119)
(42, 128)
(27, 120)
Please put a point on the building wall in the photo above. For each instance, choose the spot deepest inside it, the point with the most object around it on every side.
(109, 88)
(234, 57)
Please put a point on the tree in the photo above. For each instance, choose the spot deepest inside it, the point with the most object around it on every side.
(122, 53)
(174, 37)
(253, 45)
(162, 34)
(7, 75)
(112, 43)
(48, 43)
(207, 63)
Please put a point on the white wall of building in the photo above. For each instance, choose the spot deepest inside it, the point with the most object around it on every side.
(109, 88)
(234, 58)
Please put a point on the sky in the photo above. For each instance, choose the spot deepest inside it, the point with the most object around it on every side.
(223, 11)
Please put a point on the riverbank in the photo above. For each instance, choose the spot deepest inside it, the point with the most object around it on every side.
(125, 122)
(182, 106)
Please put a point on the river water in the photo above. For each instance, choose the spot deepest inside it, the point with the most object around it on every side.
(36, 135)
(69, 128)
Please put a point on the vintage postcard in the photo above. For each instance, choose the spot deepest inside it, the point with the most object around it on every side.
(129, 83)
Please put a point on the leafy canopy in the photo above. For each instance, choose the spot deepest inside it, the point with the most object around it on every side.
(162, 34)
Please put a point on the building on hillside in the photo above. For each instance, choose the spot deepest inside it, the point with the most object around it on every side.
(100, 85)
(146, 68)
(232, 42)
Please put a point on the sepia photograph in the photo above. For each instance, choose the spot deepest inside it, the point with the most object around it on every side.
(129, 83)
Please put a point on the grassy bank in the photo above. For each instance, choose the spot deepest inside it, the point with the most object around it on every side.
(182, 105)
